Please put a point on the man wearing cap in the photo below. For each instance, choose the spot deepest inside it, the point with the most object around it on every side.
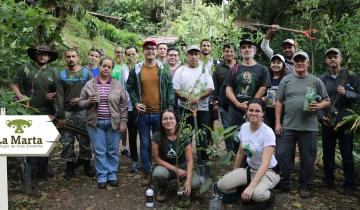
(151, 92)
(73, 79)
(288, 46)
(343, 88)
(193, 85)
(246, 81)
(39, 82)
(302, 94)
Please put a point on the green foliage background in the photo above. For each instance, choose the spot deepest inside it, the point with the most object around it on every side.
(64, 24)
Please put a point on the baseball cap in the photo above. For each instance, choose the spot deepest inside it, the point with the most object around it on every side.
(194, 48)
(149, 42)
(246, 41)
(288, 41)
(278, 56)
(301, 54)
(333, 49)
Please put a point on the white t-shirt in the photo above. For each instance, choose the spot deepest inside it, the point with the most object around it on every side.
(254, 144)
(193, 81)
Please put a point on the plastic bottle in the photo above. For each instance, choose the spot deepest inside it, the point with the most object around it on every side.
(149, 197)
(309, 97)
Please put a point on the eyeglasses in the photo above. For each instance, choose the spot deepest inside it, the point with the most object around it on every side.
(118, 52)
(150, 48)
(168, 118)
(257, 111)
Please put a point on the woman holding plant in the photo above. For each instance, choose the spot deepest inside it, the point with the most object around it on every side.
(173, 156)
(257, 142)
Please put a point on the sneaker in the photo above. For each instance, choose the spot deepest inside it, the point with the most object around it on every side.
(146, 179)
(134, 167)
(125, 152)
(305, 193)
(102, 185)
(161, 195)
(113, 183)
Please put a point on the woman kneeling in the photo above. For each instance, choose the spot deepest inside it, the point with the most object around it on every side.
(258, 144)
(166, 145)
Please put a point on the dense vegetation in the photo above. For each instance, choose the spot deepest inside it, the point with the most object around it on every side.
(67, 24)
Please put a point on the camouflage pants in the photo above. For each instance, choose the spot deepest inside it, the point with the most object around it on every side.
(68, 137)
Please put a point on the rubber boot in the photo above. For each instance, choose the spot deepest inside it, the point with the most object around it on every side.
(88, 169)
(70, 170)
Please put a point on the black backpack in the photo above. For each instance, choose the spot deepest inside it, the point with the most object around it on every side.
(223, 100)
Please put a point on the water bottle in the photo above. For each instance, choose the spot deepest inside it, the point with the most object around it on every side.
(215, 202)
(309, 98)
(149, 197)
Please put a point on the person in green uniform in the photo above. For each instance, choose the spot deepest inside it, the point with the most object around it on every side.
(73, 79)
(38, 81)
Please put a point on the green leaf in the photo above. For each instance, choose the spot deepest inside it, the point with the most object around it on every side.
(206, 186)
(296, 204)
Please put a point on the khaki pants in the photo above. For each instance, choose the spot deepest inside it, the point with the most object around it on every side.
(237, 177)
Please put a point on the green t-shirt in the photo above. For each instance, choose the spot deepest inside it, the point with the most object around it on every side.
(291, 92)
(168, 149)
(36, 84)
(119, 72)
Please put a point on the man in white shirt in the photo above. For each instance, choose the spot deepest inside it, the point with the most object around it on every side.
(288, 46)
(193, 85)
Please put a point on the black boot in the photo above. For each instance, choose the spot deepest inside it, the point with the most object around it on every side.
(88, 169)
(269, 204)
(69, 172)
(79, 162)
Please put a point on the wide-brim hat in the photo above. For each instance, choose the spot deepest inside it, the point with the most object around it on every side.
(33, 51)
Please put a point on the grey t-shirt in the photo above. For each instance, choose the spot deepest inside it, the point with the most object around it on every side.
(291, 93)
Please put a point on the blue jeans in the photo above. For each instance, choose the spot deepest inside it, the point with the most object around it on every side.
(105, 143)
(146, 123)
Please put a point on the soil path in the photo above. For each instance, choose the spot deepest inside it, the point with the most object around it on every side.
(82, 193)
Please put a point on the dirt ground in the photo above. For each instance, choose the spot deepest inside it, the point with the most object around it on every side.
(82, 193)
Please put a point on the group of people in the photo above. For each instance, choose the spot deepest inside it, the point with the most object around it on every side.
(275, 108)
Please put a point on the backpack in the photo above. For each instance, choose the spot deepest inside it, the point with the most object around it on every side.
(223, 100)
(84, 78)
